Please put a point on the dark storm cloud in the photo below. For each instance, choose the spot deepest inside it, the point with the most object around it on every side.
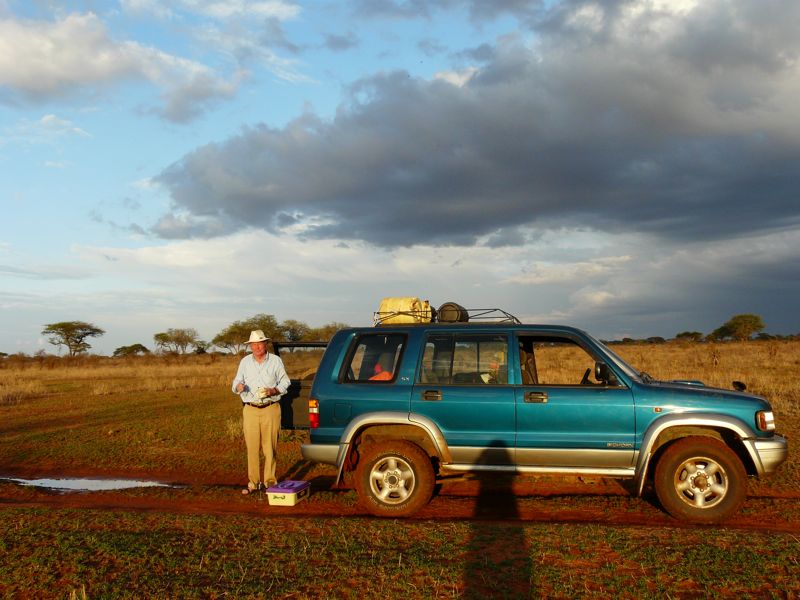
(611, 121)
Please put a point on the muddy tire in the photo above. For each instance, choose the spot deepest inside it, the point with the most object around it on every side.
(394, 478)
(700, 480)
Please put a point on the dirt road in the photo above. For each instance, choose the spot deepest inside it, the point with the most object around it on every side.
(524, 500)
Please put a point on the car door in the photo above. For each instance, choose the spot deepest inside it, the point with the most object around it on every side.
(565, 418)
(462, 386)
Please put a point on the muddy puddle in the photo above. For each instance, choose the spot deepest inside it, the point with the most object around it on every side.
(84, 485)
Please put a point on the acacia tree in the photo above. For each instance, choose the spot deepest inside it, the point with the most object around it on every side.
(325, 333)
(266, 323)
(739, 327)
(177, 340)
(294, 331)
(72, 334)
(131, 350)
(234, 336)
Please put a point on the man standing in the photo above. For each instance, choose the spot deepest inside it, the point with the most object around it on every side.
(260, 382)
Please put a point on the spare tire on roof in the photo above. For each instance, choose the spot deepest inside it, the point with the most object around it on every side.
(450, 312)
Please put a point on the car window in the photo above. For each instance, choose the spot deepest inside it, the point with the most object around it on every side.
(375, 358)
(553, 360)
(464, 359)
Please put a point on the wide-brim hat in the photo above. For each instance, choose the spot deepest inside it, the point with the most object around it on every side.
(257, 336)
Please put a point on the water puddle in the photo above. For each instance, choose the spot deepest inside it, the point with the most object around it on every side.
(85, 485)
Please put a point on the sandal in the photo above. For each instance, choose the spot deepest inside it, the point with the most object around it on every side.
(250, 489)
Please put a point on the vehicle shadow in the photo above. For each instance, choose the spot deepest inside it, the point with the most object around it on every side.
(498, 559)
(299, 469)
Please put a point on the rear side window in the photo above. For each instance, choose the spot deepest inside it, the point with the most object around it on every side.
(375, 358)
(464, 359)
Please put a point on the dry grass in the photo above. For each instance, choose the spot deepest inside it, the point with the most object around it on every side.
(768, 368)
(107, 376)
(84, 386)
(16, 387)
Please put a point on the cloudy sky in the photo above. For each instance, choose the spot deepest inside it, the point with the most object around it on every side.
(629, 167)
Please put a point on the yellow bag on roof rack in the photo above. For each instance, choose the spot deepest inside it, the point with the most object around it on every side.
(403, 310)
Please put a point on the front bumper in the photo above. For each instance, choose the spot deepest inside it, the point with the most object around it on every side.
(770, 452)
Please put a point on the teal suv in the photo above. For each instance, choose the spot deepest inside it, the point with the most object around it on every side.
(399, 404)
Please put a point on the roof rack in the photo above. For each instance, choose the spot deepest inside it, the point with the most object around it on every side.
(492, 315)
(447, 313)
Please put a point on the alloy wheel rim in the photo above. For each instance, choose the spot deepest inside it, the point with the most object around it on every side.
(701, 482)
(392, 480)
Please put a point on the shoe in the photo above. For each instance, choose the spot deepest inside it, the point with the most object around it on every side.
(250, 489)
(270, 483)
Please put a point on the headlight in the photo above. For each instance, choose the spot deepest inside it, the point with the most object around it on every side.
(765, 420)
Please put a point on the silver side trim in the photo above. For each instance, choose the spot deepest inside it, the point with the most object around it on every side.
(557, 458)
(737, 426)
(480, 455)
(609, 472)
(596, 458)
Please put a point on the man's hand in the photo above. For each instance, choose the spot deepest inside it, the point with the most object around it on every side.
(240, 388)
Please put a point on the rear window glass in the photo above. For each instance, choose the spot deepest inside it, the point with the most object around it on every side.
(375, 358)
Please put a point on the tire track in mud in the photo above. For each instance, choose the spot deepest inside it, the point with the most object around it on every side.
(769, 513)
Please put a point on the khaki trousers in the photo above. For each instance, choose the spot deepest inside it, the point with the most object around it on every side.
(261, 426)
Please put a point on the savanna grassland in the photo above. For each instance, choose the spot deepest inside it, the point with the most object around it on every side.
(174, 419)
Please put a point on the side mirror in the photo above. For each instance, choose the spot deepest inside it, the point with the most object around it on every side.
(603, 374)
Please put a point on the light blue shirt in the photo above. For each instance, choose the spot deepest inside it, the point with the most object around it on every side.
(270, 373)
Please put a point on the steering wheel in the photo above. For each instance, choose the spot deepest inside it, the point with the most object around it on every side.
(585, 380)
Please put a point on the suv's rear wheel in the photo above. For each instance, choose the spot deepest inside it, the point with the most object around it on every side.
(394, 478)
(700, 479)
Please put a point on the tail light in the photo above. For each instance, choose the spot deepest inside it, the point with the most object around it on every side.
(765, 420)
(313, 413)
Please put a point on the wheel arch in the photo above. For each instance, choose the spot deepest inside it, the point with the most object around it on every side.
(372, 427)
(733, 432)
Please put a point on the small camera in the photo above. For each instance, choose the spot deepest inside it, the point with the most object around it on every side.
(263, 393)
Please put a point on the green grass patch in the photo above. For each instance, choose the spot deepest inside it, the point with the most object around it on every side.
(130, 555)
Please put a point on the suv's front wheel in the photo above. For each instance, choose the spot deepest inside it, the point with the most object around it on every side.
(394, 478)
(700, 479)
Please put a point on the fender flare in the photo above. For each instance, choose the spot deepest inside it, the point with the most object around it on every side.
(428, 426)
(709, 420)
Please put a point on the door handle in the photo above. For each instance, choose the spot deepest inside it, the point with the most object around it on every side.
(432, 395)
(536, 397)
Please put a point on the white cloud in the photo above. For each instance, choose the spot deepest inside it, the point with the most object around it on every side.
(245, 46)
(540, 272)
(592, 298)
(49, 129)
(457, 78)
(59, 126)
(147, 7)
(216, 9)
(235, 8)
(43, 60)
